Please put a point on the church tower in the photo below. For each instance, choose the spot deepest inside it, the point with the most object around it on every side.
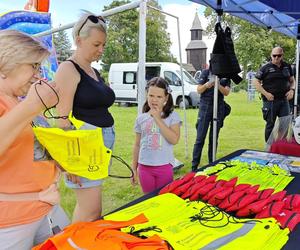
(196, 49)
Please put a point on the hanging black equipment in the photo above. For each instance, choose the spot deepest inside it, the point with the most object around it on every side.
(223, 62)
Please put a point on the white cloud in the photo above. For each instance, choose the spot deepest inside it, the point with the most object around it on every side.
(186, 14)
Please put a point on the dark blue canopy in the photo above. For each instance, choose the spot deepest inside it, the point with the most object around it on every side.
(280, 15)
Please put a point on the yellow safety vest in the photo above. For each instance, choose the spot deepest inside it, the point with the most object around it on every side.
(79, 152)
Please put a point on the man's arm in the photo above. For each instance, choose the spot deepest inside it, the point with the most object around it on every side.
(290, 94)
(204, 82)
(292, 82)
(260, 89)
(203, 87)
(224, 86)
(224, 90)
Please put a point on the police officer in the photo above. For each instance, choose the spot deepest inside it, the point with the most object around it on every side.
(276, 83)
(205, 116)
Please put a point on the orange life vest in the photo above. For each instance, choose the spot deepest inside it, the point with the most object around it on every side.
(102, 234)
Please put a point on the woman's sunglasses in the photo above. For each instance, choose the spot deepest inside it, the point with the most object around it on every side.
(93, 19)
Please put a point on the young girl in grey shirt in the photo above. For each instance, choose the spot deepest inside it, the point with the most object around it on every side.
(157, 130)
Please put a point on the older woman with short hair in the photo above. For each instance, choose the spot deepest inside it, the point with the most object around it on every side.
(24, 213)
(84, 92)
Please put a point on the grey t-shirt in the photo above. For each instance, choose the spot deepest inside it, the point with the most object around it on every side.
(155, 150)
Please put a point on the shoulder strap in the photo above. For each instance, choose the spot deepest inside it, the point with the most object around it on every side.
(100, 78)
(80, 70)
(76, 66)
(97, 73)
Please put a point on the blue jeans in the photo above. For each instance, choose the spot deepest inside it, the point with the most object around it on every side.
(205, 119)
(109, 140)
(271, 110)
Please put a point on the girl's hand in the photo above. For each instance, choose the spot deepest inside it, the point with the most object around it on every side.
(134, 178)
(155, 112)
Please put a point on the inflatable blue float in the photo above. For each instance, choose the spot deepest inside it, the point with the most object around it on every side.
(32, 23)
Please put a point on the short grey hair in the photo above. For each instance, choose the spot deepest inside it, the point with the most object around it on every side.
(84, 31)
(19, 48)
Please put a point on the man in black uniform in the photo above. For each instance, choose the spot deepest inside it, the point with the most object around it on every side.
(205, 116)
(276, 83)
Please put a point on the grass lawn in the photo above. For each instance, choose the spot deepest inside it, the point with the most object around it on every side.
(243, 128)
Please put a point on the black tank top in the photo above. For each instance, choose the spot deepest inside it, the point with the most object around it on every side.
(92, 100)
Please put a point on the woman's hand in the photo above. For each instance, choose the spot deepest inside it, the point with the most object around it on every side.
(40, 94)
(50, 195)
(74, 178)
(59, 167)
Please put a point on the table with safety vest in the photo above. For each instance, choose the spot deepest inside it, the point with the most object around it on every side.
(291, 190)
(246, 200)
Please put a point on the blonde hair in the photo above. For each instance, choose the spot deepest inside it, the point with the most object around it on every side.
(18, 48)
(83, 26)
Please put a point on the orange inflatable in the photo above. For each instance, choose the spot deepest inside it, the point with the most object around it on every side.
(37, 5)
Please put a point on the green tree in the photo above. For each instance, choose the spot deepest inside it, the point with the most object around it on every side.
(253, 44)
(122, 40)
(62, 45)
(157, 38)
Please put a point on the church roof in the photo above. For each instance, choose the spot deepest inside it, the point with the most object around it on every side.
(189, 67)
(196, 23)
(196, 44)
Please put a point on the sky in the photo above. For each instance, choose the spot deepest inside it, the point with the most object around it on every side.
(68, 11)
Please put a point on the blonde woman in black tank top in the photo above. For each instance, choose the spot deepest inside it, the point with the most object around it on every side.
(84, 92)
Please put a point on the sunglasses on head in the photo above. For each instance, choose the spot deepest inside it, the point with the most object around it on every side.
(279, 55)
(93, 19)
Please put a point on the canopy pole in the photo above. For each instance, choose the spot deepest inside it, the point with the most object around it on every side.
(181, 77)
(141, 72)
(215, 118)
(106, 13)
(297, 74)
(216, 91)
(182, 89)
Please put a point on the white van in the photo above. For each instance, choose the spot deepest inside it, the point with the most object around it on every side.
(123, 80)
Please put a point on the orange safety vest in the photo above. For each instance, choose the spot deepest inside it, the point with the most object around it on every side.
(102, 234)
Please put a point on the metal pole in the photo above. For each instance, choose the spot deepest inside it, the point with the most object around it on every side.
(181, 76)
(141, 77)
(215, 112)
(215, 118)
(296, 83)
(183, 95)
(104, 14)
